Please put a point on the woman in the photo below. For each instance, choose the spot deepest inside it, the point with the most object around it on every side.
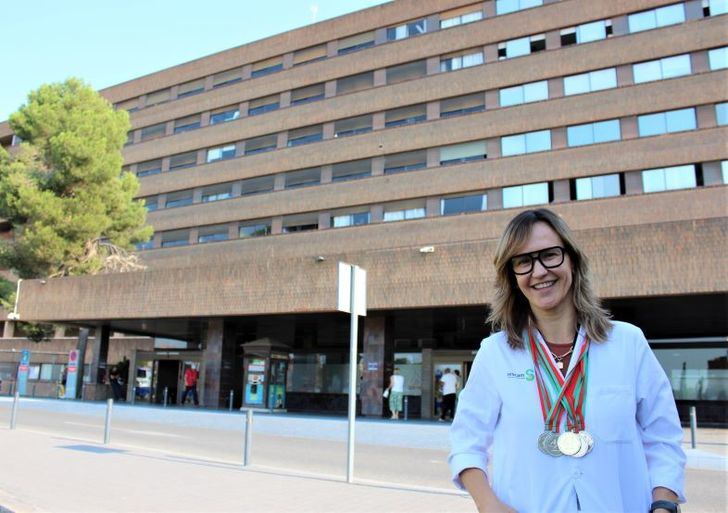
(575, 408)
(396, 392)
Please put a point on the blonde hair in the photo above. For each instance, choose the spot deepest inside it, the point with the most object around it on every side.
(510, 310)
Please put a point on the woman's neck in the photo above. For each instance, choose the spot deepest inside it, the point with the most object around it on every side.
(557, 327)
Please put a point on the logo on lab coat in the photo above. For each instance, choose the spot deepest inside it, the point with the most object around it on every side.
(528, 375)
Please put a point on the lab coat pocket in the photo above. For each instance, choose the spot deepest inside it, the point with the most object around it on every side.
(612, 414)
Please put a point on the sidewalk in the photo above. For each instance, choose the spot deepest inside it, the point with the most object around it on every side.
(53, 474)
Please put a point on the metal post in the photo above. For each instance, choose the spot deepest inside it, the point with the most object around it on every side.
(693, 425)
(32, 394)
(14, 412)
(232, 396)
(166, 394)
(406, 407)
(107, 425)
(248, 437)
(133, 395)
(353, 335)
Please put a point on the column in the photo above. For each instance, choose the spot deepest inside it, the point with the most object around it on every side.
(212, 363)
(372, 383)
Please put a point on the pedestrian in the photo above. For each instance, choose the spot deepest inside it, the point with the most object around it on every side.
(458, 386)
(191, 377)
(577, 411)
(116, 384)
(396, 393)
(449, 387)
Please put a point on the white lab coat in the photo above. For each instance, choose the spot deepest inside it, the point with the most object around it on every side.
(630, 412)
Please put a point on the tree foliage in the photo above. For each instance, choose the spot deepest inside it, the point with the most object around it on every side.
(71, 208)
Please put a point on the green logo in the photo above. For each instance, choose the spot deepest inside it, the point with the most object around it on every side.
(529, 375)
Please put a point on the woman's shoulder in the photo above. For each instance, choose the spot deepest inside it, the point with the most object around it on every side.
(494, 343)
(624, 330)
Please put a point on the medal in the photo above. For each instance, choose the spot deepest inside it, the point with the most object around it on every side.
(569, 443)
(588, 440)
(547, 444)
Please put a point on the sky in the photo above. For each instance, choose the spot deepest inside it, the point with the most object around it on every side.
(105, 42)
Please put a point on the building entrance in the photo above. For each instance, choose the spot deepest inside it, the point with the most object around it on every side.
(157, 371)
(459, 364)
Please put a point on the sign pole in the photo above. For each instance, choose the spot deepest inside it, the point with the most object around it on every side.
(353, 335)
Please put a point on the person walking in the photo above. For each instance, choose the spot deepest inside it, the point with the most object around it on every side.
(396, 393)
(575, 409)
(191, 377)
(449, 386)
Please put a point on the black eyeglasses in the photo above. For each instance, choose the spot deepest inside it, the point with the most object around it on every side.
(549, 258)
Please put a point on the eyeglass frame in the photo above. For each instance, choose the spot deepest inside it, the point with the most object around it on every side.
(536, 255)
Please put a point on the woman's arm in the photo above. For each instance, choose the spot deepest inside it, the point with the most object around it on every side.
(476, 484)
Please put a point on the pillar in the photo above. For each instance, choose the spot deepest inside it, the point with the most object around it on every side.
(372, 384)
(212, 363)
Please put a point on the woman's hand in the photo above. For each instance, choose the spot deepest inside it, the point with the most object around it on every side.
(477, 485)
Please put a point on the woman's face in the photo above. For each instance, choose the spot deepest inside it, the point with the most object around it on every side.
(547, 290)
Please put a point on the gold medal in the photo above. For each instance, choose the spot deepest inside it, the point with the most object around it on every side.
(569, 443)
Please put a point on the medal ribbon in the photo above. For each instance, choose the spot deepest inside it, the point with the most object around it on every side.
(570, 392)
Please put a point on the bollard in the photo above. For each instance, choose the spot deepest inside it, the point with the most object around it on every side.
(693, 425)
(14, 412)
(248, 437)
(107, 424)
(232, 395)
(133, 395)
(406, 407)
(166, 394)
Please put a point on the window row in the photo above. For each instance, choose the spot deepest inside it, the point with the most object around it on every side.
(517, 196)
(592, 31)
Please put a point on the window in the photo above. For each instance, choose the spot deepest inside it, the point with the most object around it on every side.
(305, 135)
(178, 199)
(355, 43)
(151, 203)
(307, 94)
(213, 234)
(586, 33)
(153, 132)
(593, 187)
(526, 93)
(591, 81)
(254, 229)
(405, 210)
(300, 223)
(261, 144)
(525, 195)
(460, 105)
(405, 115)
(355, 83)
(661, 69)
(593, 133)
(221, 153)
(261, 105)
(718, 58)
(461, 16)
(721, 113)
(669, 178)
(303, 178)
(408, 71)
(129, 138)
(666, 122)
(130, 105)
(716, 7)
(224, 114)
(175, 238)
(724, 171)
(463, 204)
(217, 193)
(413, 28)
(402, 162)
(526, 143)
(351, 170)
(187, 124)
(506, 6)
(256, 185)
(465, 152)
(227, 78)
(191, 88)
(266, 67)
(141, 246)
(460, 60)
(183, 160)
(151, 167)
(310, 54)
(353, 219)
(158, 97)
(655, 18)
(521, 46)
(353, 126)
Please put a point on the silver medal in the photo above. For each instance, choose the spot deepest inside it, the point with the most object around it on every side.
(551, 446)
(588, 440)
(569, 443)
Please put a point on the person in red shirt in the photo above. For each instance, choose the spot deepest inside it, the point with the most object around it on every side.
(191, 377)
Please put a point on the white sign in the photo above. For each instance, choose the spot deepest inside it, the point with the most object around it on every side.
(360, 289)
